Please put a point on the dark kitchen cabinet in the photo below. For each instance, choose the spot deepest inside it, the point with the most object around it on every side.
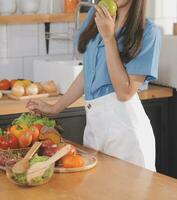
(172, 136)
(157, 111)
(161, 112)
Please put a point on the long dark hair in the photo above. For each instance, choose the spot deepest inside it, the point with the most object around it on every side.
(131, 33)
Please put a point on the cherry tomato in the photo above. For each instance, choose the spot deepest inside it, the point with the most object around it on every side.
(4, 84)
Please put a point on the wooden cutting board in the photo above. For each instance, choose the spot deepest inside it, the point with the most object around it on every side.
(11, 96)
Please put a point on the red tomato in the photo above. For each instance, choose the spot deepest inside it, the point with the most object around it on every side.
(39, 126)
(25, 139)
(8, 141)
(4, 84)
(34, 132)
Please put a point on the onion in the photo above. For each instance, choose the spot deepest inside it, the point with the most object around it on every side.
(40, 88)
(18, 90)
(32, 89)
(50, 87)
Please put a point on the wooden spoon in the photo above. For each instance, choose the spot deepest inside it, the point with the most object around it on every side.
(39, 168)
(23, 165)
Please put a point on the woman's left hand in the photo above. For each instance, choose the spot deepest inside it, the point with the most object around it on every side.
(105, 23)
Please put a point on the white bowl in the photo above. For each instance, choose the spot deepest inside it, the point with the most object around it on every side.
(29, 6)
(8, 7)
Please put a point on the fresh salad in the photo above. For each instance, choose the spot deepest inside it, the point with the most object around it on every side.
(21, 178)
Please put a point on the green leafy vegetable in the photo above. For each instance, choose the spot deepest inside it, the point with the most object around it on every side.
(20, 178)
(37, 159)
(30, 120)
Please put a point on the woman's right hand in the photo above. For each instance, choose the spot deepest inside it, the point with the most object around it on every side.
(39, 107)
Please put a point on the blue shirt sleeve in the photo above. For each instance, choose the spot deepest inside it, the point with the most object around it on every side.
(146, 62)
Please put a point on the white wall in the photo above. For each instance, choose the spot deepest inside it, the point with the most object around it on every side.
(21, 44)
(164, 13)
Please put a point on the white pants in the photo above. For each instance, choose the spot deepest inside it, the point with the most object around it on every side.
(120, 129)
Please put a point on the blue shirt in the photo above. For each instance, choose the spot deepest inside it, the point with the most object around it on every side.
(97, 82)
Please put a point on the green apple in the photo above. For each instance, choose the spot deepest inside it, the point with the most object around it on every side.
(110, 5)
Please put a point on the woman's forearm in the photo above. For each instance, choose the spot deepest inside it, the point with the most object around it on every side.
(75, 91)
(117, 72)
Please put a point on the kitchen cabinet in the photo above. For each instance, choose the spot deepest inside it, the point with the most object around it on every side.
(157, 111)
(172, 138)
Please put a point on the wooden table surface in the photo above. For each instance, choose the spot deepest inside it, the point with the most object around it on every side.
(8, 106)
(111, 179)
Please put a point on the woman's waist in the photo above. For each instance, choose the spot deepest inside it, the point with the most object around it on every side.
(93, 93)
(129, 112)
(110, 101)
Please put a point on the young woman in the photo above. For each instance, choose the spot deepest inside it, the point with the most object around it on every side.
(120, 54)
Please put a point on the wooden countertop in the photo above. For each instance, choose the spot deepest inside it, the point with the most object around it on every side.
(111, 179)
(8, 106)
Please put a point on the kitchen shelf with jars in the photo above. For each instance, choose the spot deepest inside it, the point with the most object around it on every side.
(29, 12)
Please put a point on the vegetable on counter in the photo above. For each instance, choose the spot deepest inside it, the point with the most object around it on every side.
(30, 120)
(34, 130)
(5, 84)
(18, 129)
(72, 161)
(48, 148)
(8, 140)
(50, 87)
(18, 90)
(32, 89)
(25, 139)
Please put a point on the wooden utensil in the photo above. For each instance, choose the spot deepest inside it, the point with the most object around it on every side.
(23, 165)
(38, 169)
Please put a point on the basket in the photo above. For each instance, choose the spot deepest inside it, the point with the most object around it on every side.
(11, 156)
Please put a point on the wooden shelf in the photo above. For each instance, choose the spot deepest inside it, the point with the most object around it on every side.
(41, 18)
